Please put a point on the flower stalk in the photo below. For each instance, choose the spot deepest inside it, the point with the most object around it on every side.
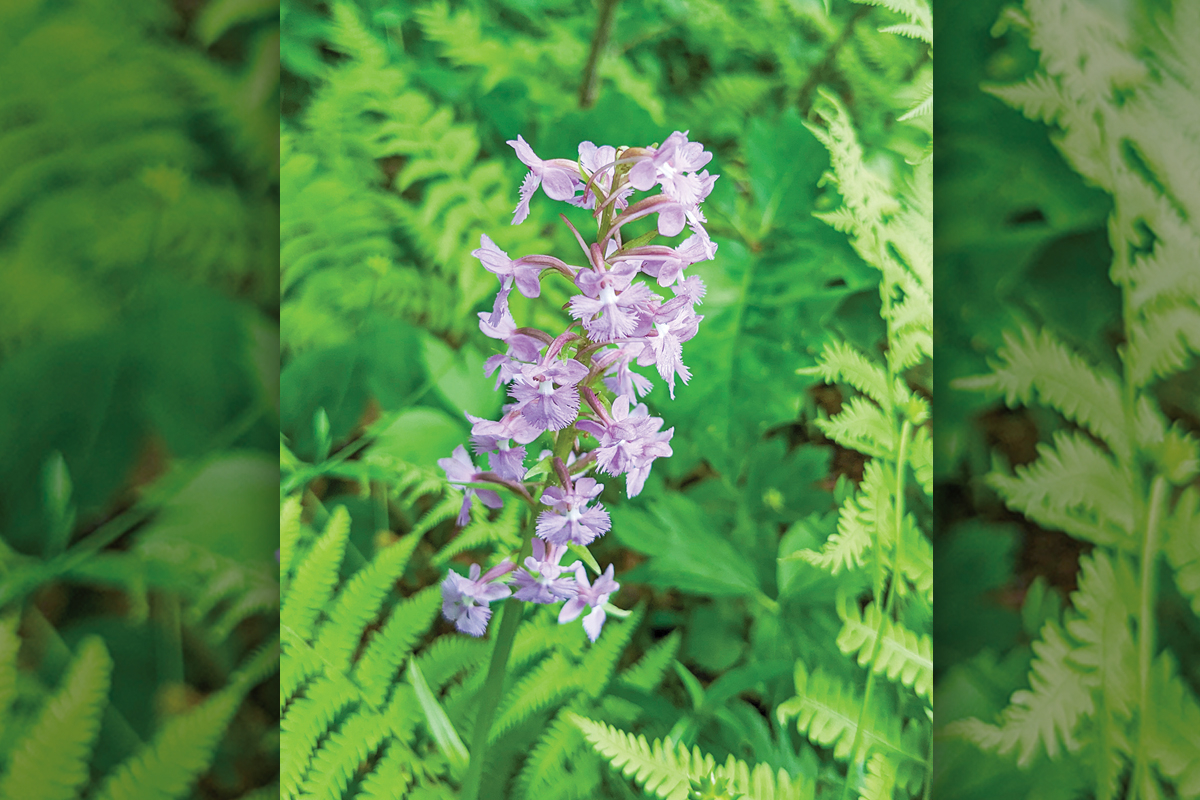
(578, 385)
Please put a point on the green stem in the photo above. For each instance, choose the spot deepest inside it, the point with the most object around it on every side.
(587, 87)
(889, 603)
(490, 698)
(510, 620)
(1158, 493)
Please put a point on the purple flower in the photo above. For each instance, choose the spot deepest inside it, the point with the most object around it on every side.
(692, 288)
(548, 586)
(500, 305)
(592, 158)
(521, 348)
(629, 443)
(668, 167)
(589, 596)
(559, 178)
(465, 600)
(622, 380)
(611, 306)
(497, 262)
(672, 217)
(571, 520)
(675, 323)
(546, 393)
(495, 439)
(460, 469)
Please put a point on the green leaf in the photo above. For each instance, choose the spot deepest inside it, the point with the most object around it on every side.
(685, 552)
(459, 379)
(440, 727)
(421, 436)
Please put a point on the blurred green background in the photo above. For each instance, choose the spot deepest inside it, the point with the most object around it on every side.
(139, 189)
(1020, 239)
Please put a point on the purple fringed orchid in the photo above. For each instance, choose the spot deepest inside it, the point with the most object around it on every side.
(570, 519)
(618, 318)
(546, 392)
(629, 442)
(497, 262)
(465, 601)
(495, 439)
(607, 315)
(460, 469)
(558, 177)
(541, 580)
(592, 596)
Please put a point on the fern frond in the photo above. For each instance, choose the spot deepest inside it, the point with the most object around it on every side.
(306, 721)
(392, 776)
(880, 781)
(1182, 546)
(546, 766)
(916, 560)
(341, 755)
(861, 425)
(1163, 343)
(449, 656)
(648, 671)
(1042, 719)
(316, 576)
(51, 761)
(1034, 366)
(663, 769)
(1099, 623)
(167, 767)
(298, 664)
(388, 648)
(1073, 486)
(1039, 98)
(480, 532)
(921, 459)
(827, 711)
(839, 361)
(1174, 736)
(845, 548)
(357, 604)
(903, 657)
(549, 682)
(289, 534)
(761, 782)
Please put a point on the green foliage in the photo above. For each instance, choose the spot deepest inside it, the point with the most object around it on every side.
(669, 770)
(884, 731)
(49, 759)
(138, 379)
(394, 163)
(350, 632)
(1103, 682)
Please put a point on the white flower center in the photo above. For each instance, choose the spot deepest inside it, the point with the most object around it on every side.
(573, 514)
(608, 296)
(546, 388)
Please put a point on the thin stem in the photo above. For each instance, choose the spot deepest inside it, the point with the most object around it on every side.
(886, 613)
(510, 619)
(587, 88)
(1158, 494)
(820, 73)
(489, 699)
